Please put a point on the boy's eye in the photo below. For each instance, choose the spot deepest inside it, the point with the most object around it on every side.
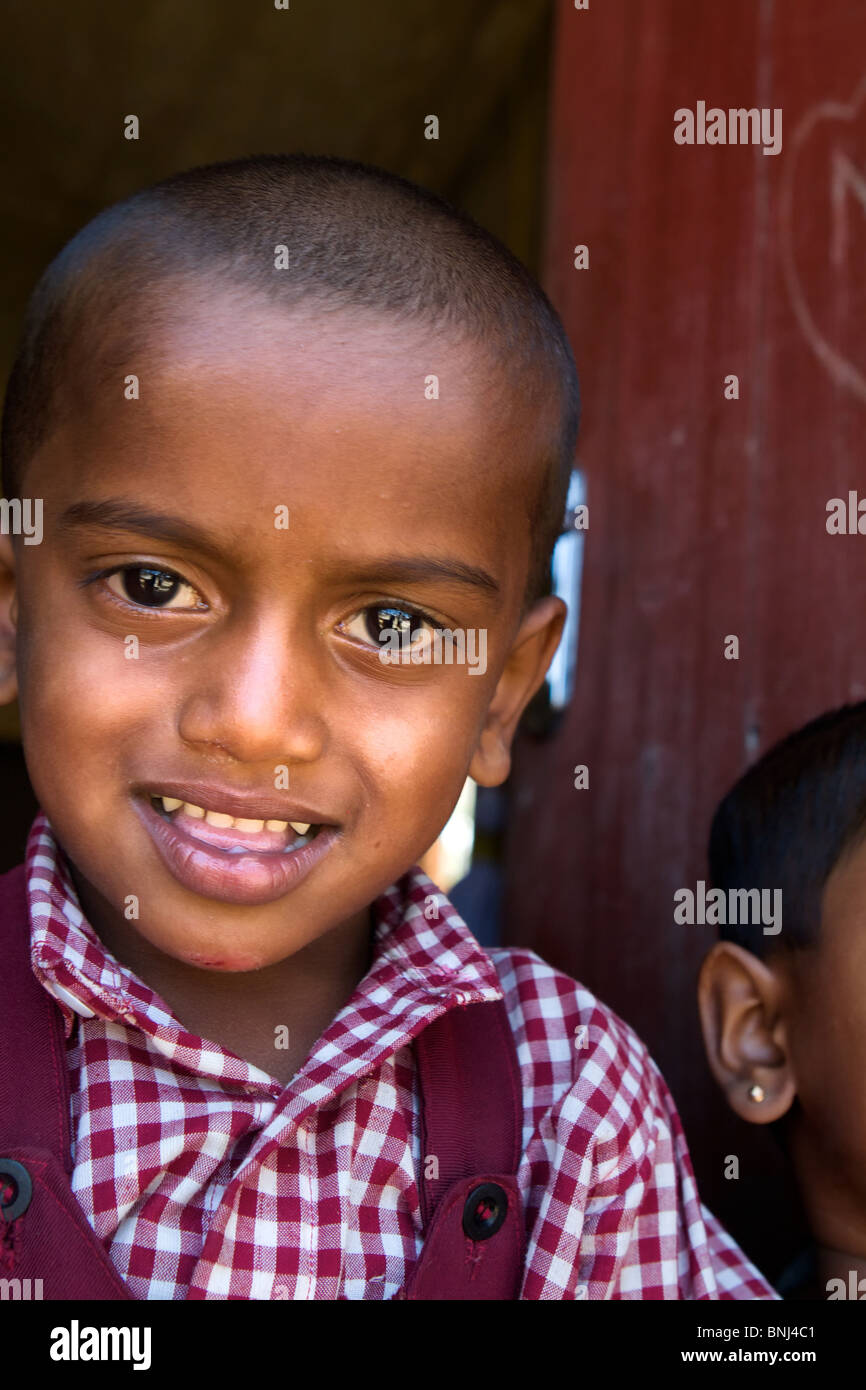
(152, 588)
(378, 624)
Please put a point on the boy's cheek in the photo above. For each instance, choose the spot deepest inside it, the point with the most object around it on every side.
(81, 689)
(431, 740)
(828, 1057)
(413, 768)
(77, 724)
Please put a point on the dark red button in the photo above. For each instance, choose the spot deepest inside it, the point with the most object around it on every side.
(484, 1211)
(16, 1189)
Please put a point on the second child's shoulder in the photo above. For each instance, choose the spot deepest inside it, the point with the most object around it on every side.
(571, 1045)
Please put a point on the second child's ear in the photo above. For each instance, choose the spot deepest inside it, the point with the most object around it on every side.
(525, 668)
(741, 1001)
(8, 622)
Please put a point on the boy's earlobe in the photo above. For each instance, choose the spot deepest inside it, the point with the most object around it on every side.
(525, 668)
(8, 622)
(740, 1000)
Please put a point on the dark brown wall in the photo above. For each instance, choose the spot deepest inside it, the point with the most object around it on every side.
(707, 516)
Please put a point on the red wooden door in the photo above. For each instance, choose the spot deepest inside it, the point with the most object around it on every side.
(707, 514)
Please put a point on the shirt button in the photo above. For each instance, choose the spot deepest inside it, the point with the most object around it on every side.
(484, 1211)
(65, 996)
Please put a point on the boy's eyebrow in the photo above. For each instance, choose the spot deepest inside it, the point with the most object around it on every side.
(118, 515)
(121, 515)
(421, 567)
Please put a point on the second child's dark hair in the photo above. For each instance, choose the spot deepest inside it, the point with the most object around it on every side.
(788, 821)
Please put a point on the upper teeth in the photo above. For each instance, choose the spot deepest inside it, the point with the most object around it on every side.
(219, 818)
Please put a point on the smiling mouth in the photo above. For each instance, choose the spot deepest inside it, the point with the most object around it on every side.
(216, 830)
(230, 858)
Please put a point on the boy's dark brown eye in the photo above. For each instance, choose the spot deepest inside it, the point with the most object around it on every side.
(379, 620)
(150, 587)
(380, 625)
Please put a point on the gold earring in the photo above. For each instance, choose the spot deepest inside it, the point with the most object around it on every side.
(756, 1093)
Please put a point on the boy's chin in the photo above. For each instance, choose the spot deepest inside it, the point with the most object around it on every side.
(228, 959)
(226, 965)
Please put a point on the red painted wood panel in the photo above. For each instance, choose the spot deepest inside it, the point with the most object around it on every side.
(707, 516)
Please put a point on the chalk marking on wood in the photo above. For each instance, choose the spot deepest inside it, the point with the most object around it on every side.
(839, 368)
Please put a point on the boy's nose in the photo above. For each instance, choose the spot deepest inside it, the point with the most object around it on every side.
(256, 694)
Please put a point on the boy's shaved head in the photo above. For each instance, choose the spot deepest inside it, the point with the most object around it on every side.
(354, 237)
(179, 652)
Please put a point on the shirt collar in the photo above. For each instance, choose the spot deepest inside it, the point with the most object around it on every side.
(425, 961)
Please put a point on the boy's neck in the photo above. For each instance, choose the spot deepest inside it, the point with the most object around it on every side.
(269, 1017)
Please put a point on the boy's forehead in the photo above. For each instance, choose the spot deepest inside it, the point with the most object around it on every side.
(207, 356)
(346, 364)
(236, 399)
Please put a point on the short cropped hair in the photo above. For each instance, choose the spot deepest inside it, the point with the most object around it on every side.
(788, 821)
(356, 236)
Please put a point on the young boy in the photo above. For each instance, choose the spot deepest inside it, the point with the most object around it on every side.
(784, 1012)
(280, 410)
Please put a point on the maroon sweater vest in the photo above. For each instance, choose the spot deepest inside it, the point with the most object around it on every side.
(471, 1120)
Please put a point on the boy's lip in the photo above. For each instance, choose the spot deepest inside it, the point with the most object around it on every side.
(243, 805)
(249, 879)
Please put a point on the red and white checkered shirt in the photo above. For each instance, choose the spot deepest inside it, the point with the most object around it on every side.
(206, 1178)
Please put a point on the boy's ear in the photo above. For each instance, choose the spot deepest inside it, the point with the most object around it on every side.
(531, 653)
(8, 621)
(741, 1000)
